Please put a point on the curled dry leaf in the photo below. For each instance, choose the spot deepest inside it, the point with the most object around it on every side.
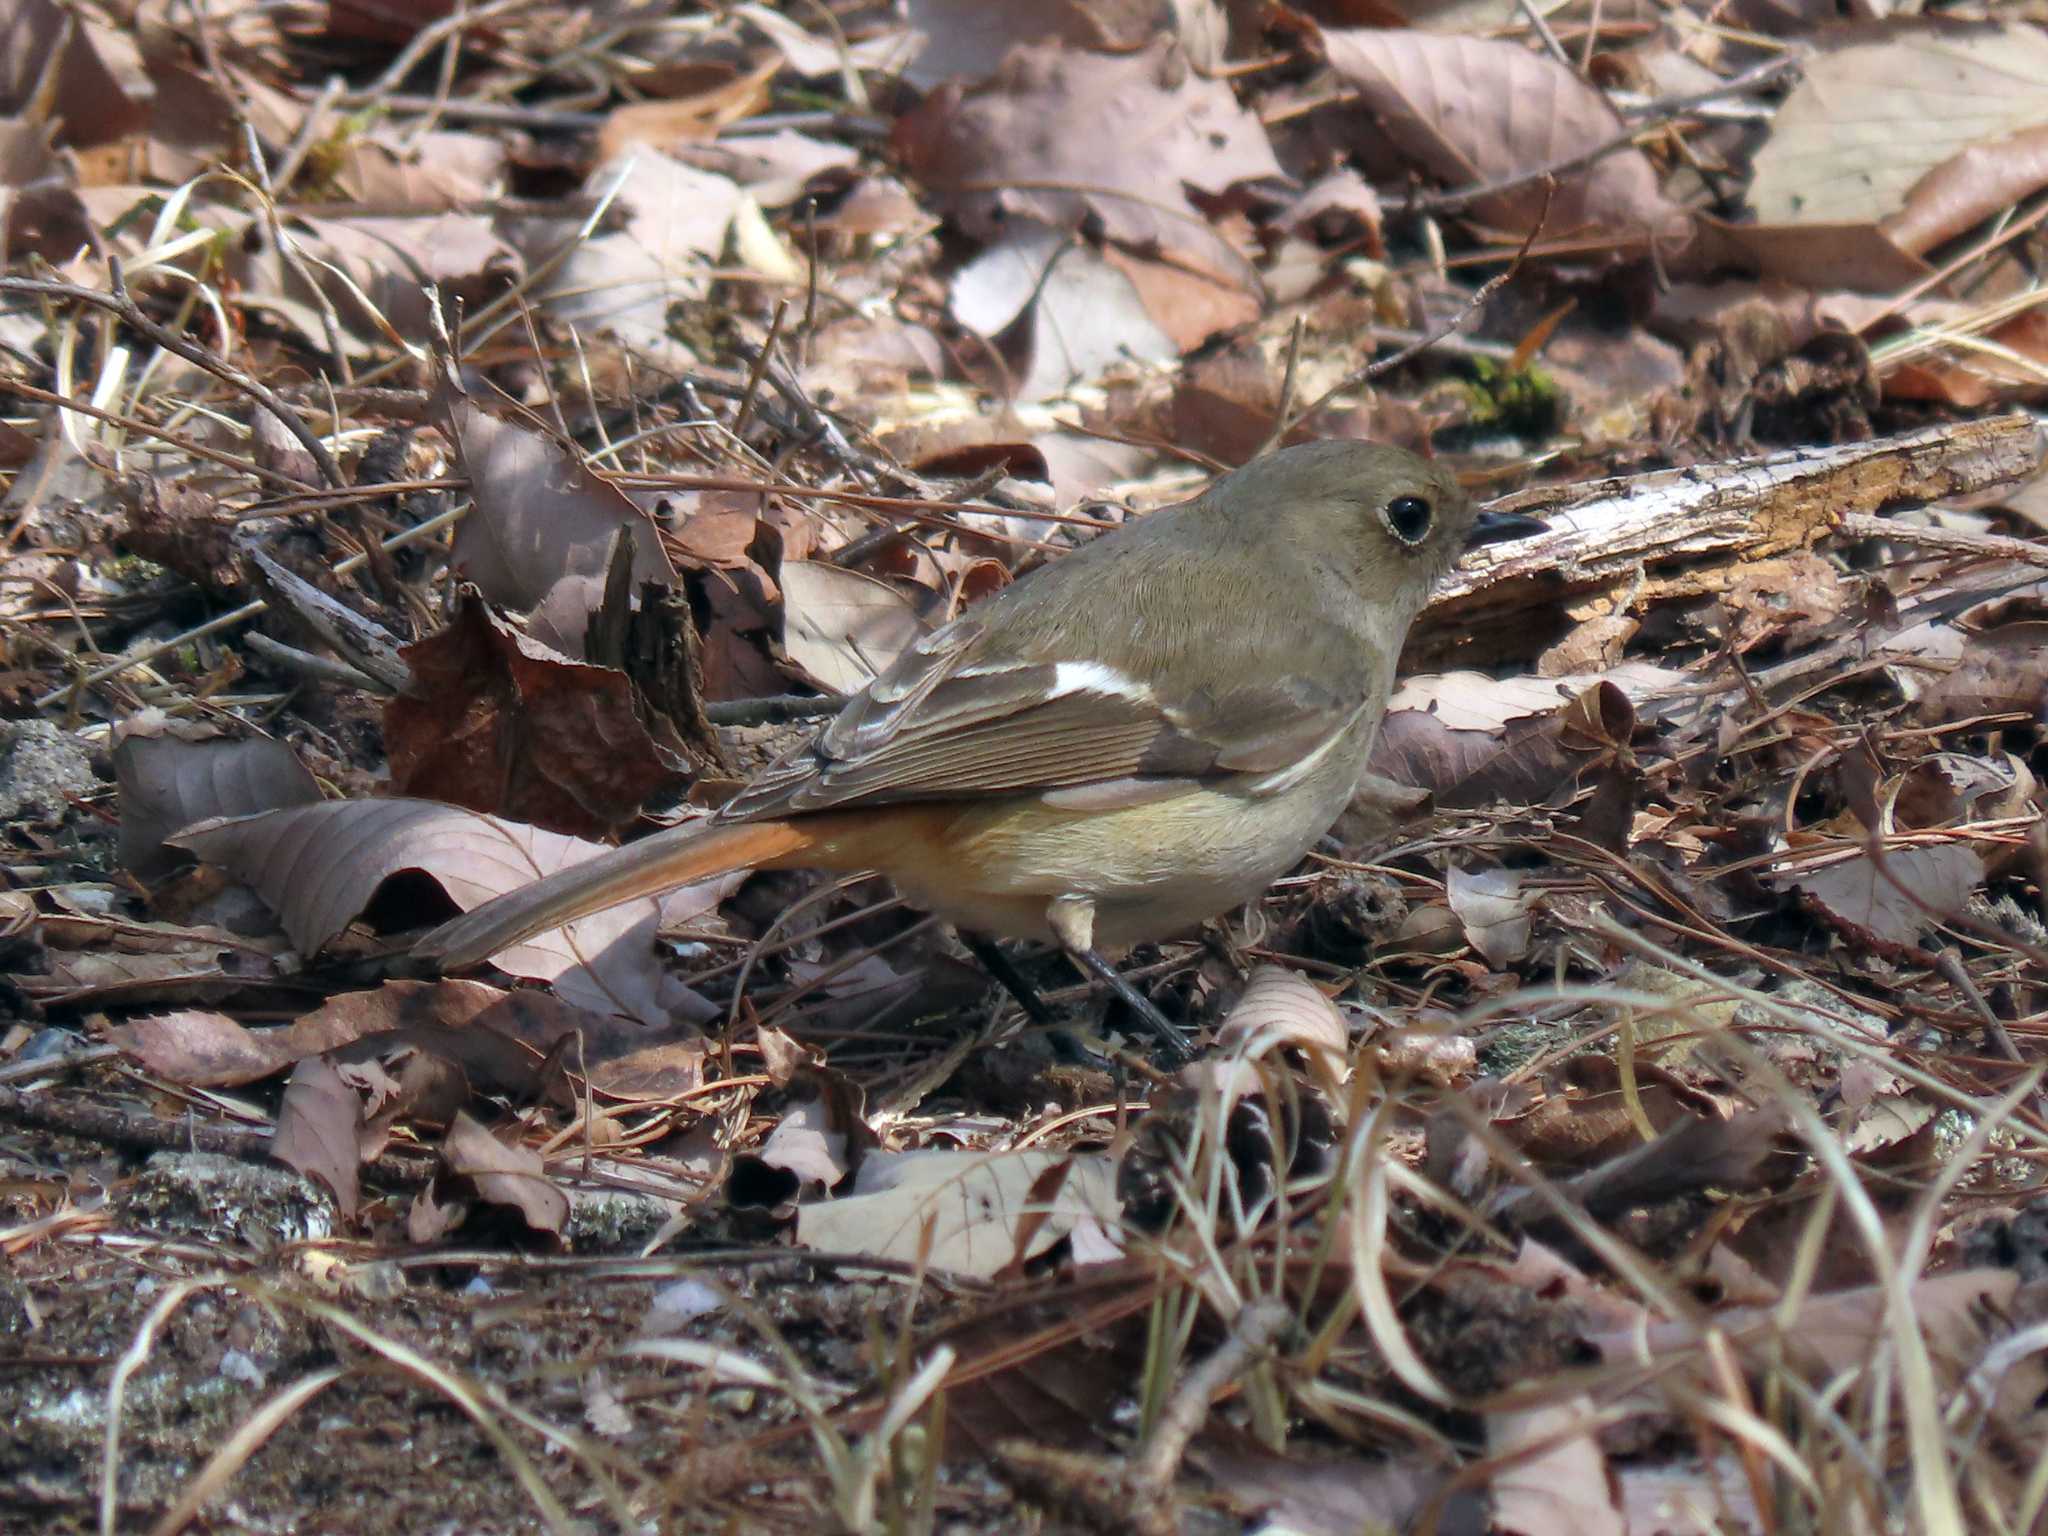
(1831, 160)
(1495, 911)
(498, 722)
(319, 1128)
(543, 520)
(823, 1135)
(1893, 908)
(172, 773)
(1472, 740)
(318, 866)
(1473, 111)
(1282, 1008)
(505, 1174)
(964, 1213)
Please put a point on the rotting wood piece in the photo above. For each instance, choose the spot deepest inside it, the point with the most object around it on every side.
(1682, 533)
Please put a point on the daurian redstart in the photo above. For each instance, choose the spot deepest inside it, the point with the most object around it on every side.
(1125, 742)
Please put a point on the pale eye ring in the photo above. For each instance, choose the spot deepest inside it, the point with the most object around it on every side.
(1408, 518)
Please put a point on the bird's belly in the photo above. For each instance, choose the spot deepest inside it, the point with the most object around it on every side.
(1153, 869)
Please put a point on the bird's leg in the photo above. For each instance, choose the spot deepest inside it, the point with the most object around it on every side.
(1072, 920)
(1008, 977)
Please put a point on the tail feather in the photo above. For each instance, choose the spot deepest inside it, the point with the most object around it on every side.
(646, 868)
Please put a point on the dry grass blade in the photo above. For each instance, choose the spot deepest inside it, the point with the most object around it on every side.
(471, 1399)
(248, 1438)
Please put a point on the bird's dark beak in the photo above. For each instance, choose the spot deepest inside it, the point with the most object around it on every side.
(1493, 527)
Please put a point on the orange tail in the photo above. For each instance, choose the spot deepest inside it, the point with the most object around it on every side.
(646, 868)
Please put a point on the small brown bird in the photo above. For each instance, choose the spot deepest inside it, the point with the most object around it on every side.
(1122, 744)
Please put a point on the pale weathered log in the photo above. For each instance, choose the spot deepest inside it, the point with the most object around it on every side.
(1684, 533)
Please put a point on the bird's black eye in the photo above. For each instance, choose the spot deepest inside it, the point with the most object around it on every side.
(1409, 517)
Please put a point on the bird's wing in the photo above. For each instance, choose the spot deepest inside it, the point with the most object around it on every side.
(950, 719)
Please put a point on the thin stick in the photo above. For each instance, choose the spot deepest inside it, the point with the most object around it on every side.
(1471, 307)
(1656, 114)
(1283, 418)
(124, 308)
(248, 610)
(759, 370)
(1947, 541)
(143, 429)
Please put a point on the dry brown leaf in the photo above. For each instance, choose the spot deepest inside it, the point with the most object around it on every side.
(1495, 911)
(775, 168)
(192, 973)
(1283, 1008)
(684, 119)
(41, 210)
(1189, 307)
(506, 1175)
(1305, 1496)
(1473, 111)
(318, 866)
(840, 627)
(965, 1213)
(1056, 136)
(499, 1039)
(809, 1145)
(429, 173)
(103, 90)
(1085, 314)
(319, 1125)
(1962, 191)
(198, 1048)
(367, 267)
(1926, 886)
(1832, 159)
(1850, 258)
(967, 39)
(623, 282)
(1472, 741)
(496, 721)
(2002, 670)
(544, 522)
(1553, 1479)
(173, 773)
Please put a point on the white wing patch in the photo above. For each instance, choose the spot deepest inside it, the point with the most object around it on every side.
(1094, 677)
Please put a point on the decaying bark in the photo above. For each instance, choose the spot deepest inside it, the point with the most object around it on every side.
(1684, 533)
